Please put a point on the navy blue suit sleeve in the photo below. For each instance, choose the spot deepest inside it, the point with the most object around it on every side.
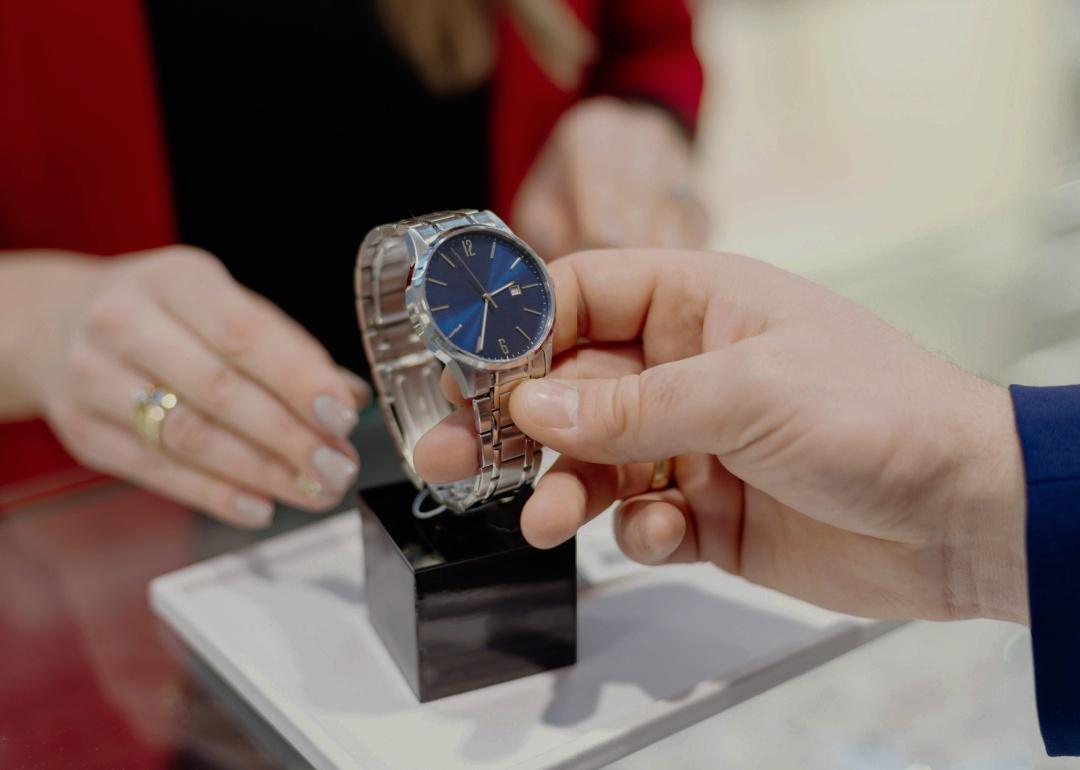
(1048, 420)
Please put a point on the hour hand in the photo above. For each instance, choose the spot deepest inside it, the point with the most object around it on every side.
(480, 286)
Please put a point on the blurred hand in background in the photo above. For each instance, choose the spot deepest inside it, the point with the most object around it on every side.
(613, 173)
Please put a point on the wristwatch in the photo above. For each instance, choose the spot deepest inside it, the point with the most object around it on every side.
(459, 289)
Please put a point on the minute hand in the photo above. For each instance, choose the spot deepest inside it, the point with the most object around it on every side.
(480, 286)
(483, 331)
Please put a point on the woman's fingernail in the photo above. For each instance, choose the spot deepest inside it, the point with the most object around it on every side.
(359, 388)
(335, 416)
(337, 470)
(550, 403)
(254, 510)
(308, 485)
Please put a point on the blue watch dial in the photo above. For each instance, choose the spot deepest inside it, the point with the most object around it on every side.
(488, 295)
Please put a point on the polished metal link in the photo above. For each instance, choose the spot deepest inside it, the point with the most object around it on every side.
(407, 374)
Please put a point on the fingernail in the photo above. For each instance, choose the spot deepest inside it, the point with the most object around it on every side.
(359, 387)
(337, 470)
(335, 416)
(254, 510)
(659, 535)
(308, 485)
(550, 403)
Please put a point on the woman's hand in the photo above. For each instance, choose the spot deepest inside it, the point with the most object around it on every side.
(818, 450)
(263, 411)
(612, 174)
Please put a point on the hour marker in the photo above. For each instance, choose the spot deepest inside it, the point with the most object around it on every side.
(523, 333)
(467, 245)
(456, 330)
(436, 281)
(440, 307)
(530, 310)
(492, 254)
(515, 263)
(448, 260)
(530, 286)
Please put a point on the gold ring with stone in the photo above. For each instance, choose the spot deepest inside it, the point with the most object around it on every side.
(152, 406)
(661, 474)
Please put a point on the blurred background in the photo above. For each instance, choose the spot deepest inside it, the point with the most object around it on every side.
(915, 155)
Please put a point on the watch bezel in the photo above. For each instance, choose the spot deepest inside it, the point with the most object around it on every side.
(432, 336)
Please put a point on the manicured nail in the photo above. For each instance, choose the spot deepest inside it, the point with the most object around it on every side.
(254, 510)
(335, 416)
(308, 485)
(359, 388)
(337, 470)
(550, 403)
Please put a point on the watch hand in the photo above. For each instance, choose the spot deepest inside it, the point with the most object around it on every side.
(504, 287)
(483, 330)
(480, 286)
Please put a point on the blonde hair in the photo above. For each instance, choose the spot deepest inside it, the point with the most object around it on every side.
(451, 43)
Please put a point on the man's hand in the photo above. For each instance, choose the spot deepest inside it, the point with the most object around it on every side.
(818, 450)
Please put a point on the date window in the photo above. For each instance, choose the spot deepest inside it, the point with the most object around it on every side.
(515, 290)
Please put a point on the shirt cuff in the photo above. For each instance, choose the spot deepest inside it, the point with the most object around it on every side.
(1048, 421)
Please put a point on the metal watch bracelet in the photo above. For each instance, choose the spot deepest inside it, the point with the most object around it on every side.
(407, 374)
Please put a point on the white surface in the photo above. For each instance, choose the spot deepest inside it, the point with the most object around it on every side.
(284, 623)
(947, 696)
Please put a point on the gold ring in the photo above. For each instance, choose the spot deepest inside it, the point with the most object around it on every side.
(152, 406)
(661, 474)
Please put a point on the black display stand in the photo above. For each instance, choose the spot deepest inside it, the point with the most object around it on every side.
(462, 601)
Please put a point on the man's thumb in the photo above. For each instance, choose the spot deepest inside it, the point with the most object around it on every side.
(663, 412)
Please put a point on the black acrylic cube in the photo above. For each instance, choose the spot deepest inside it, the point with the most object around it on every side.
(462, 601)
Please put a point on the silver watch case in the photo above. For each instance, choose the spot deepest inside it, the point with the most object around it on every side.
(467, 369)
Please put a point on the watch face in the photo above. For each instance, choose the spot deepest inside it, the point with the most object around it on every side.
(488, 295)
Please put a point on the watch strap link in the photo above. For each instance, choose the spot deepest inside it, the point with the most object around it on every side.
(508, 458)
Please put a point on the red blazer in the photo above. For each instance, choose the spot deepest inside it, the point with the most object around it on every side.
(82, 157)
